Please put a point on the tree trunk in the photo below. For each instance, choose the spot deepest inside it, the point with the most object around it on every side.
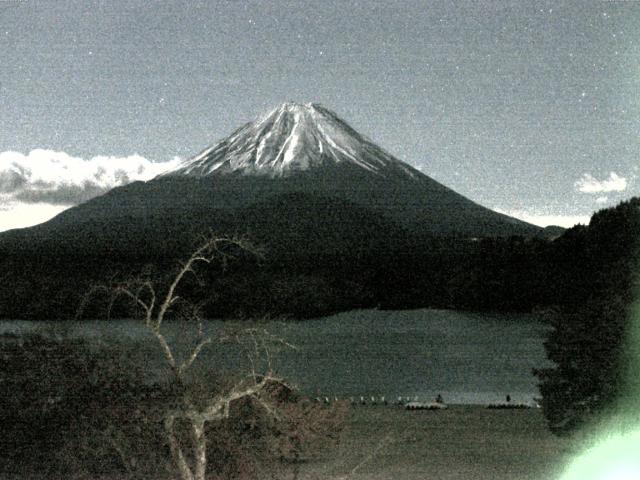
(176, 451)
(200, 449)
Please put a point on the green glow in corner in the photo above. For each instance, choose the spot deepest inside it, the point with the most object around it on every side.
(616, 454)
(616, 458)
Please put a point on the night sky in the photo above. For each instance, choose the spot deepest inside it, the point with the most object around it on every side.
(531, 108)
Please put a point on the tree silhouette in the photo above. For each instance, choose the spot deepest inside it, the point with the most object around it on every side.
(199, 409)
(587, 345)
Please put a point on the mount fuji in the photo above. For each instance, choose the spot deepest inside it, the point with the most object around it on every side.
(343, 224)
(307, 148)
(269, 175)
(290, 139)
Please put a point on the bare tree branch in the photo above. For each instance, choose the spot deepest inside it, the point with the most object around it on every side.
(176, 449)
(257, 343)
(194, 354)
(209, 250)
(166, 350)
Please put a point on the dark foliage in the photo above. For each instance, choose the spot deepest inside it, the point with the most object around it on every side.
(78, 411)
(356, 257)
(329, 256)
(587, 343)
(586, 348)
(254, 445)
(67, 408)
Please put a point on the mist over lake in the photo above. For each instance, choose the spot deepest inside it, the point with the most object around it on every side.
(466, 357)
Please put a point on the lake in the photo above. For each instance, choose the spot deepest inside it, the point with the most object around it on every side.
(465, 357)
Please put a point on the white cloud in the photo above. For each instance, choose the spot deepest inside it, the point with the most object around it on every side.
(47, 176)
(20, 215)
(589, 184)
(37, 186)
(546, 219)
(602, 199)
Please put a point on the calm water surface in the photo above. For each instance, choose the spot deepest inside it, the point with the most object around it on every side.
(466, 357)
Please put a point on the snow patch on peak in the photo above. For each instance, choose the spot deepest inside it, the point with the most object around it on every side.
(291, 138)
(297, 107)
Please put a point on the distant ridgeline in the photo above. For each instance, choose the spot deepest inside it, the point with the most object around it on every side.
(342, 225)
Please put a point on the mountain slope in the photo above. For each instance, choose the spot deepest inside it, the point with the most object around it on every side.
(290, 139)
(310, 149)
(293, 149)
(343, 224)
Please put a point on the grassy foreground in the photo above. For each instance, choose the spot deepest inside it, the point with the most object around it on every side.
(463, 443)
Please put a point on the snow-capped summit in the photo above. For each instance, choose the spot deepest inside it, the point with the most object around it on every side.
(294, 137)
(298, 169)
(306, 149)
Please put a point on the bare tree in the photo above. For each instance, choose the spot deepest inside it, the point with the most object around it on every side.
(256, 386)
